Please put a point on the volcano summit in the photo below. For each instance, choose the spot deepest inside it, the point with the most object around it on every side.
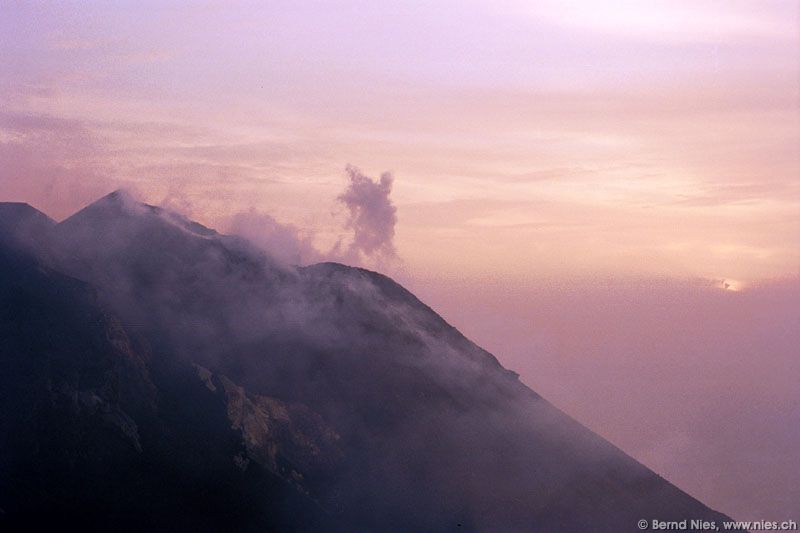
(157, 375)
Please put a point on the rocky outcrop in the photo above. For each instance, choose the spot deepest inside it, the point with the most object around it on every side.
(290, 440)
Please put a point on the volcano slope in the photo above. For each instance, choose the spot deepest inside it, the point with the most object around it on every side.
(156, 374)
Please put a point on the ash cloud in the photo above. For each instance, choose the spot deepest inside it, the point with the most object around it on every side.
(51, 161)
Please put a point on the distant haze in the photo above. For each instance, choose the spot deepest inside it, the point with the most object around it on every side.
(698, 383)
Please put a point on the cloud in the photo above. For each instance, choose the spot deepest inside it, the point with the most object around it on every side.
(671, 22)
(373, 216)
(59, 163)
(54, 163)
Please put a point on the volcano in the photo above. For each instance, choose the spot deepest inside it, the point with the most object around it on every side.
(157, 375)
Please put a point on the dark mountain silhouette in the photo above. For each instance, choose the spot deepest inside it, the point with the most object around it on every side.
(22, 226)
(158, 375)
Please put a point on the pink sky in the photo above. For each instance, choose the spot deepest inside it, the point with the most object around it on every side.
(534, 145)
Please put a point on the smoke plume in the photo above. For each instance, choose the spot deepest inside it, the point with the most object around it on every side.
(372, 215)
(370, 226)
(286, 243)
